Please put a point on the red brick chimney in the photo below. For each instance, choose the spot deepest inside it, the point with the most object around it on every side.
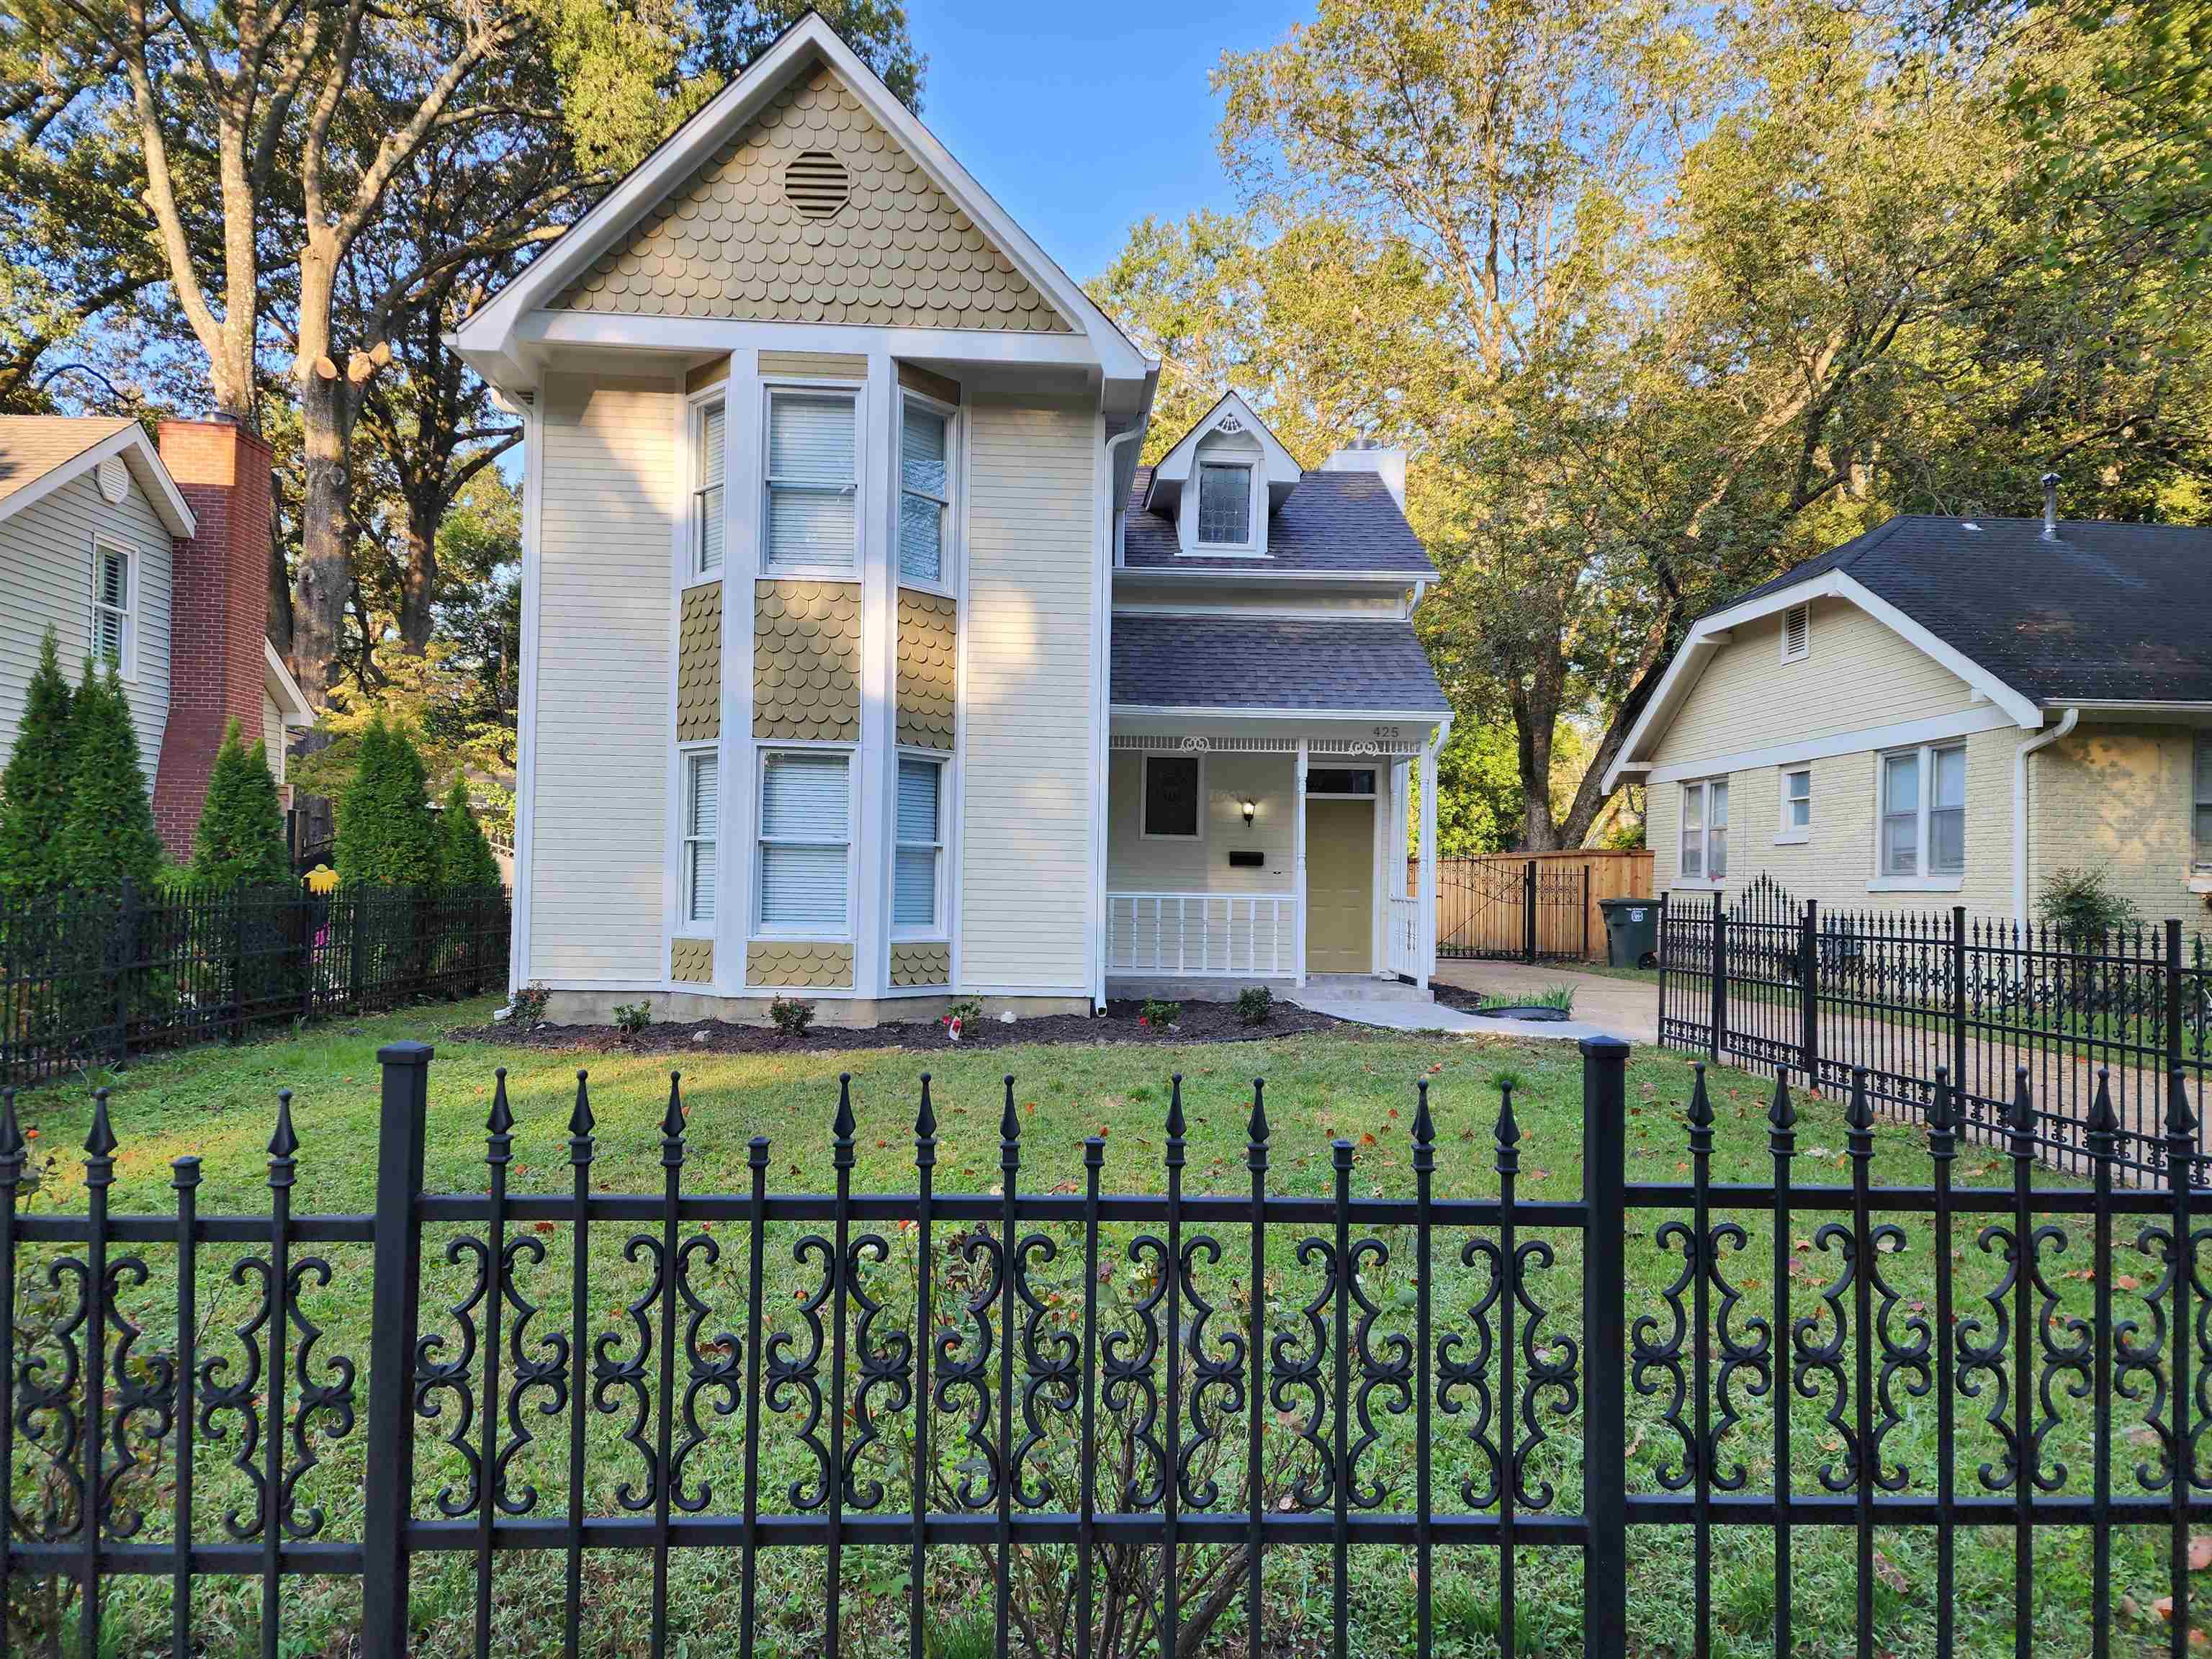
(219, 614)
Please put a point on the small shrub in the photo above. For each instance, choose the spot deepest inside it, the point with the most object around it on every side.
(240, 838)
(35, 790)
(1158, 1012)
(529, 1004)
(2081, 903)
(632, 1018)
(1561, 997)
(967, 1011)
(1254, 1005)
(791, 1018)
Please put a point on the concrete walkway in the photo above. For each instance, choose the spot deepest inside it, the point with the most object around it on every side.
(1395, 1007)
(1617, 1007)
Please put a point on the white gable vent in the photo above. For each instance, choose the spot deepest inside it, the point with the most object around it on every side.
(1797, 633)
(816, 183)
(114, 481)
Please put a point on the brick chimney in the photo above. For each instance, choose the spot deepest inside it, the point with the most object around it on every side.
(219, 612)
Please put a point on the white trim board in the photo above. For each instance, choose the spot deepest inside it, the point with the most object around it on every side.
(1711, 632)
(138, 452)
(1984, 718)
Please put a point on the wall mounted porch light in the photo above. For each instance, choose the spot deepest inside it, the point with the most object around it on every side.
(1250, 807)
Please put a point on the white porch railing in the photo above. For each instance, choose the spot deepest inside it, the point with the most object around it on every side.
(1403, 936)
(1253, 935)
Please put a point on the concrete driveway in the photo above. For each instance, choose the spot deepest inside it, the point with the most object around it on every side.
(1619, 1007)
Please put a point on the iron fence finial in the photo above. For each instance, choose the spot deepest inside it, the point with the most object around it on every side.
(101, 1143)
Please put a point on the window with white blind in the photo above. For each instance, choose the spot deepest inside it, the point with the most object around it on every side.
(709, 462)
(1224, 505)
(112, 641)
(1705, 830)
(917, 874)
(925, 493)
(1923, 812)
(703, 819)
(805, 834)
(813, 480)
(2200, 815)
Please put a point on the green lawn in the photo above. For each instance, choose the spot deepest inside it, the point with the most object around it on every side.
(219, 1104)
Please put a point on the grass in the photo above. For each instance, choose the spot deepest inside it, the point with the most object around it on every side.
(218, 1104)
(1561, 997)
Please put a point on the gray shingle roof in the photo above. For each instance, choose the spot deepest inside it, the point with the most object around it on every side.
(1346, 521)
(32, 446)
(2104, 612)
(1265, 662)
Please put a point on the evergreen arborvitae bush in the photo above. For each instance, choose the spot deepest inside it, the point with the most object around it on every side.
(361, 825)
(464, 857)
(412, 837)
(34, 789)
(240, 838)
(387, 835)
(107, 835)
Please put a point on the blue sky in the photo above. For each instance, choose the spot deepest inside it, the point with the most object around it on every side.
(1081, 119)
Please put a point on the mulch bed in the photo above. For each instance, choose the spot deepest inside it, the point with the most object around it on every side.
(1200, 1022)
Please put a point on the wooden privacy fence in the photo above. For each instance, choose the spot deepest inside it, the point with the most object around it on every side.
(1484, 909)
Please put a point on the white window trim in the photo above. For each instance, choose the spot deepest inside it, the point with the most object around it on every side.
(762, 752)
(127, 668)
(1144, 792)
(1785, 833)
(1806, 650)
(939, 926)
(1255, 493)
(854, 394)
(699, 406)
(687, 925)
(947, 584)
(1313, 793)
(1703, 881)
(1922, 881)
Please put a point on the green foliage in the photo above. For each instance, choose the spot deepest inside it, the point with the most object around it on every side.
(2081, 903)
(1255, 1004)
(529, 1004)
(386, 837)
(34, 789)
(107, 836)
(464, 857)
(633, 1018)
(1561, 997)
(1158, 1013)
(241, 836)
(791, 1018)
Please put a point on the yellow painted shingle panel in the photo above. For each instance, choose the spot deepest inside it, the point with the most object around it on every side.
(691, 961)
(928, 668)
(775, 963)
(921, 963)
(699, 664)
(729, 242)
(807, 661)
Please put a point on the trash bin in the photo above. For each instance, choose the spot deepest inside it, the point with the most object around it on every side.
(1631, 932)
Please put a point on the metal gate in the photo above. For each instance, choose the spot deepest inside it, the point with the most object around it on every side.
(1492, 912)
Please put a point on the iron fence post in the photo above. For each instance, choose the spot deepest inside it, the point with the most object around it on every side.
(394, 1305)
(1959, 994)
(1715, 1041)
(1605, 1349)
(1586, 909)
(127, 947)
(1808, 994)
(2174, 1022)
(1529, 911)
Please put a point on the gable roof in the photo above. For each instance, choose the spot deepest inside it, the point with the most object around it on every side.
(39, 454)
(492, 333)
(1229, 413)
(1333, 524)
(1264, 664)
(2100, 614)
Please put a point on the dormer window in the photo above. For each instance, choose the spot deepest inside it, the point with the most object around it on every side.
(1224, 505)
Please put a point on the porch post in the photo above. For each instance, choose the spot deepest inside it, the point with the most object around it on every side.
(1298, 855)
(1424, 951)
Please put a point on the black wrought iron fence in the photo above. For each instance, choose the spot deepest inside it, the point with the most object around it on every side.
(1502, 910)
(1816, 994)
(1563, 1395)
(93, 977)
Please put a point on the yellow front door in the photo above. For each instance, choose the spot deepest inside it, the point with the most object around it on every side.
(1339, 886)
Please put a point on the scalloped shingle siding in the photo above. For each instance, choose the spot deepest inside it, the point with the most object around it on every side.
(928, 668)
(699, 664)
(921, 964)
(727, 243)
(691, 961)
(807, 661)
(773, 964)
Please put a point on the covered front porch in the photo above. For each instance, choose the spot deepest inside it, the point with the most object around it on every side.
(1266, 851)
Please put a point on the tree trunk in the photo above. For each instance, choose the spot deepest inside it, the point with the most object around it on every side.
(418, 577)
(327, 406)
(1536, 702)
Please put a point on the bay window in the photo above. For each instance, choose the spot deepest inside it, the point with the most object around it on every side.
(925, 492)
(806, 836)
(1923, 812)
(702, 814)
(812, 482)
(1705, 830)
(919, 860)
(709, 458)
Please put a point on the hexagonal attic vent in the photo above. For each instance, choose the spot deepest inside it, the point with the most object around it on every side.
(816, 183)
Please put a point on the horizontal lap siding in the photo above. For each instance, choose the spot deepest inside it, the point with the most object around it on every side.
(1025, 847)
(45, 579)
(599, 804)
(2116, 799)
(1269, 781)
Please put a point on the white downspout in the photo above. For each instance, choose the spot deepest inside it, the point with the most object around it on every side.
(1103, 690)
(2041, 740)
(1426, 954)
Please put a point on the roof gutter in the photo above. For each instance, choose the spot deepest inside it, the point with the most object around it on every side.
(2067, 723)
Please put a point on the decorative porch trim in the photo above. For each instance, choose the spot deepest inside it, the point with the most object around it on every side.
(1199, 743)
